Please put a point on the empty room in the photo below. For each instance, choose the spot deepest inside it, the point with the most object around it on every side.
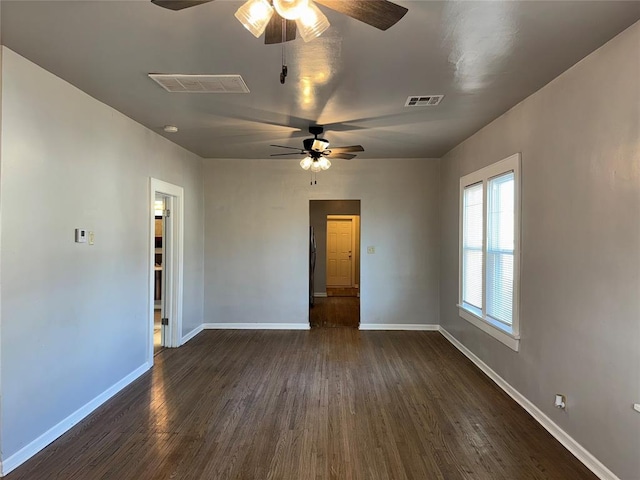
(319, 239)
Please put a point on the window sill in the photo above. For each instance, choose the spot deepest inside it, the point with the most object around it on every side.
(495, 329)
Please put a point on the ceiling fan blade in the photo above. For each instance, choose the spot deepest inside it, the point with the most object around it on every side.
(381, 14)
(273, 33)
(342, 156)
(284, 146)
(179, 4)
(283, 154)
(351, 148)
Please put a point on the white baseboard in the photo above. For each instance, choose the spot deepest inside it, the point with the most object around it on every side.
(399, 326)
(256, 326)
(581, 453)
(191, 334)
(28, 451)
(320, 294)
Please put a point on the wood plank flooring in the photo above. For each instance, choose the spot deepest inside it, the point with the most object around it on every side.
(334, 312)
(157, 332)
(342, 291)
(295, 405)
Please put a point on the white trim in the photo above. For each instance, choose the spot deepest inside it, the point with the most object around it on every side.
(581, 453)
(256, 326)
(510, 340)
(174, 279)
(399, 326)
(191, 334)
(28, 451)
(1, 393)
(320, 294)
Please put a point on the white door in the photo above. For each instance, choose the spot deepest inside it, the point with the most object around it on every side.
(340, 252)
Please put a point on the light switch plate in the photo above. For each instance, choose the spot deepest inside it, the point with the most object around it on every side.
(91, 238)
(371, 250)
(636, 407)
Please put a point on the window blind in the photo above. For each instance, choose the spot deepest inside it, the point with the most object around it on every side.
(500, 247)
(472, 257)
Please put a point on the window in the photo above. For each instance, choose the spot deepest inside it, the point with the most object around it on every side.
(489, 249)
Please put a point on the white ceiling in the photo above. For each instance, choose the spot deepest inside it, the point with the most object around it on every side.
(483, 56)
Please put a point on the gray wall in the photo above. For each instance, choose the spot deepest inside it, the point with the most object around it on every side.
(580, 280)
(318, 211)
(74, 316)
(256, 238)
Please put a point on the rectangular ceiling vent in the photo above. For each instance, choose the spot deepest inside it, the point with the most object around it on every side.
(175, 83)
(423, 100)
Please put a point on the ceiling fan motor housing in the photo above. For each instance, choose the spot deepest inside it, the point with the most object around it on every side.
(316, 130)
(316, 144)
(307, 143)
(318, 148)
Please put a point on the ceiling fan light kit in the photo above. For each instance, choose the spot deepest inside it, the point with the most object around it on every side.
(315, 164)
(255, 15)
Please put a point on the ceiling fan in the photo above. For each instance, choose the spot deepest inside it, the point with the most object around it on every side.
(317, 152)
(281, 19)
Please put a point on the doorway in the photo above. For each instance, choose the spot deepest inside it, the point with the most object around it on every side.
(162, 223)
(166, 266)
(334, 283)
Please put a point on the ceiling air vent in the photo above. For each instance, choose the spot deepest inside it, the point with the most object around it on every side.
(423, 100)
(175, 83)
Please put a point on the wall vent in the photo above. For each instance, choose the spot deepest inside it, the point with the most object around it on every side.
(176, 83)
(423, 100)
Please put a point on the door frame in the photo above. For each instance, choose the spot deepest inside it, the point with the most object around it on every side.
(174, 261)
(353, 220)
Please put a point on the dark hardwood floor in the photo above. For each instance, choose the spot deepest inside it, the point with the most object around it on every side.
(321, 404)
(334, 312)
(342, 291)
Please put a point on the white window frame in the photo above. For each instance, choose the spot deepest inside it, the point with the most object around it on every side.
(509, 335)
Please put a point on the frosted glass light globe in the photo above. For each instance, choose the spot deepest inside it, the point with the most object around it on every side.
(255, 15)
(290, 9)
(306, 162)
(324, 163)
(315, 166)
